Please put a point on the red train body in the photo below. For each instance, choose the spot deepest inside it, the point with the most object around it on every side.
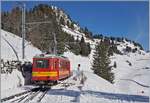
(47, 69)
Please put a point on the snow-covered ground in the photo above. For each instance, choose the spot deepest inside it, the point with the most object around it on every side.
(130, 81)
(95, 90)
(11, 81)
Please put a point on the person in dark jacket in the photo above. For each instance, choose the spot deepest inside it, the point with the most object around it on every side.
(27, 72)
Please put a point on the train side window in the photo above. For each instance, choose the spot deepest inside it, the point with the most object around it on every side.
(42, 64)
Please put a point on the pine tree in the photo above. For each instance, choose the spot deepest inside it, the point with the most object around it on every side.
(101, 62)
(72, 25)
(128, 49)
(74, 45)
(115, 64)
(84, 48)
(87, 33)
(89, 48)
(68, 23)
(62, 21)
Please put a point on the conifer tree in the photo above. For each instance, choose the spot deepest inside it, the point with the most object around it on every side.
(115, 64)
(101, 62)
(74, 45)
(62, 21)
(84, 47)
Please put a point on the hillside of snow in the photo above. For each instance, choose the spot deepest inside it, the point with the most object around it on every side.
(11, 48)
(10, 41)
(132, 79)
(77, 59)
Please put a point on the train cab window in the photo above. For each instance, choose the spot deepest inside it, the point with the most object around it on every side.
(42, 63)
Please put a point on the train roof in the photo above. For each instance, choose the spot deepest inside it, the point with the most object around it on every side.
(50, 56)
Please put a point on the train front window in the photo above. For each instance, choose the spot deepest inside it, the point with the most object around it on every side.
(42, 64)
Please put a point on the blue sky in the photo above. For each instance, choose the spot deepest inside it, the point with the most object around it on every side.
(112, 18)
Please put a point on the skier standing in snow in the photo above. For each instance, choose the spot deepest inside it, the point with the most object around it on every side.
(80, 75)
(78, 72)
(80, 78)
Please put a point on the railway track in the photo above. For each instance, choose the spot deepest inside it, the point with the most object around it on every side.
(25, 97)
(39, 93)
(43, 94)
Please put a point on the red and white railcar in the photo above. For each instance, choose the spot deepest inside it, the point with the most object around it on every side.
(50, 68)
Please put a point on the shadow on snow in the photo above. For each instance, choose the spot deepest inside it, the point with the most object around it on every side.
(113, 96)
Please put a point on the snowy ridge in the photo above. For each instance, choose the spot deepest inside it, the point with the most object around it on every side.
(122, 46)
(61, 14)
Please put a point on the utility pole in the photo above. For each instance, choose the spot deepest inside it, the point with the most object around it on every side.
(149, 35)
(23, 30)
(149, 27)
(55, 44)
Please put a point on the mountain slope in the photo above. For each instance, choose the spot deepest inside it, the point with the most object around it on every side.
(130, 75)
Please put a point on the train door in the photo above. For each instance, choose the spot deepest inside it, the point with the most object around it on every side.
(61, 69)
(56, 66)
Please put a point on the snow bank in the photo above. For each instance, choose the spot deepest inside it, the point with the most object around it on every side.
(96, 83)
(11, 81)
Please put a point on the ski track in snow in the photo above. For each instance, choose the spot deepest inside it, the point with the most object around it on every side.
(136, 82)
